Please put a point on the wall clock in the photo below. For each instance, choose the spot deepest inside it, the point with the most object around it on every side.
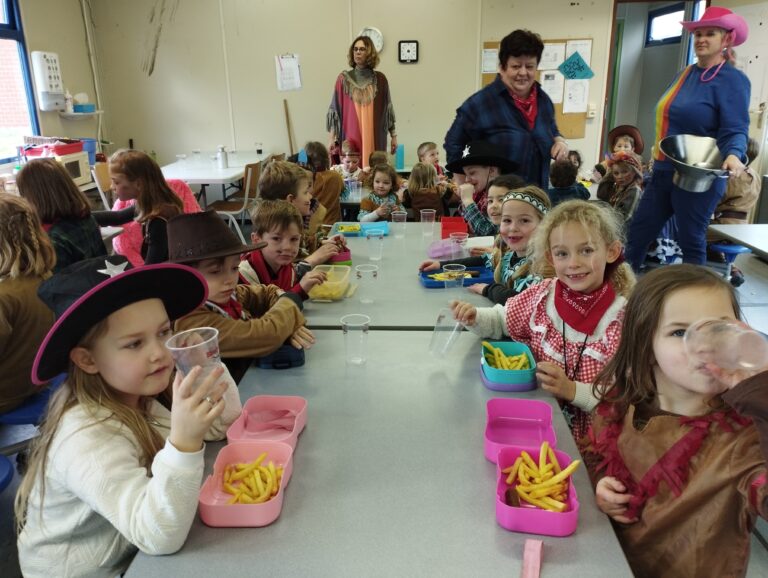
(409, 51)
(375, 35)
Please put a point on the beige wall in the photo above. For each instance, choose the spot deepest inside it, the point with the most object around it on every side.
(185, 103)
(57, 26)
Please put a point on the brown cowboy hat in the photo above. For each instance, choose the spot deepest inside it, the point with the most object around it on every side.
(627, 130)
(197, 236)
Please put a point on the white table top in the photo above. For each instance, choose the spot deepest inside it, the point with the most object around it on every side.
(203, 171)
(389, 478)
(401, 301)
(754, 236)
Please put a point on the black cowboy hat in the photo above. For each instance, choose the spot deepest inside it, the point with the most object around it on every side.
(485, 154)
(89, 291)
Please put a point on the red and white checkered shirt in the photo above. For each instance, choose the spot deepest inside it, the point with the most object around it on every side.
(531, 318)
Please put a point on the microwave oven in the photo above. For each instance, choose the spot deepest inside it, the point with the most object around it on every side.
(76, 164)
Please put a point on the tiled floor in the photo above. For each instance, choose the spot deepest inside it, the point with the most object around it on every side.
(753, 296)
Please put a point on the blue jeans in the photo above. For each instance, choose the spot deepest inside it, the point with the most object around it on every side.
(662, 199)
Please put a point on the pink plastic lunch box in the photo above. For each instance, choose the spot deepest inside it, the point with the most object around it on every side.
(214, 510)
(290, 417)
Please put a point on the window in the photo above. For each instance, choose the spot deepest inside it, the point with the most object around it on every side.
(17, 113)
(664, 25)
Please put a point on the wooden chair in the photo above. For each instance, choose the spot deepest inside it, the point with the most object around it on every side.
(100, 174)
(237, 205)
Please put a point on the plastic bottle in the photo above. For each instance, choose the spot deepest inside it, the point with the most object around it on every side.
(69, 103)
(222, 161)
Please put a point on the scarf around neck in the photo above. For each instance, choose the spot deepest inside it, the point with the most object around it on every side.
(283, 278)
(583, 311)
(528, 107)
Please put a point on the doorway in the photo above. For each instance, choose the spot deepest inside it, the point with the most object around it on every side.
(648, 48)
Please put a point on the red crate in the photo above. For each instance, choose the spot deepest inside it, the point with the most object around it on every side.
(54, 149)
(450, 225)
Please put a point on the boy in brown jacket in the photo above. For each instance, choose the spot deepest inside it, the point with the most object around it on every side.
(253, 320)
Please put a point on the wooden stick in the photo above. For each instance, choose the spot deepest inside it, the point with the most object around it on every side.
(288, 124)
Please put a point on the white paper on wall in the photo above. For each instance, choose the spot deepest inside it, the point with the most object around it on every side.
(552, 82)
(553, 56)
(583, 47)
(576, 96)
(287, 71)
(490, 60)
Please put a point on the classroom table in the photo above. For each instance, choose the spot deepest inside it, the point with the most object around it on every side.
(204, 171)
(754, 236)
(389, 477)
(400, 300)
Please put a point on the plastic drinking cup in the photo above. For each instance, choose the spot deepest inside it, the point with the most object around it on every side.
(375, 242)
(398, 223)
(367, 278)
(454, 276)
(355, 327)
(727, 344)
(427, 221)
(458, 243)
(195, 347)
(445, 334)
(355, 190)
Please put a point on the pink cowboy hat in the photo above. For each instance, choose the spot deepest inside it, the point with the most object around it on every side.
(717, 17)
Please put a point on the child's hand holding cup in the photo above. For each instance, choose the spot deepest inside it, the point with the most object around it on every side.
(196, 347)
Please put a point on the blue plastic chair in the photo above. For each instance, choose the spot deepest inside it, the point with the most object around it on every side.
(730, 252)
(6, 472)
(32, 411)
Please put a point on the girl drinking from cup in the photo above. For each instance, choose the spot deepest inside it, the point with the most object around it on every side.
(675, 445)
(382, 201)
(118, 463)
(521, 211)
(571, 322)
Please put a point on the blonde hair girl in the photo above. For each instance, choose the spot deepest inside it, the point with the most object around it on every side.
(135, 175)
(572, 319)
(424, 192)
(63, 210)
(26, 259)
(113, 463)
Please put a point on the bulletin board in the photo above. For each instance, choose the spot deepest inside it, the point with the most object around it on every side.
(571, 125)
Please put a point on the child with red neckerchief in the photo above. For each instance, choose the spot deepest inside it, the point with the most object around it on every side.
(572, 319)
(675, 444)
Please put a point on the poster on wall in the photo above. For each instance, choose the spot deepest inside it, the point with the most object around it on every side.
(287, 71)
(576, 96)
(490, 60)
(553, 55)
(552, 82)
(583, 47)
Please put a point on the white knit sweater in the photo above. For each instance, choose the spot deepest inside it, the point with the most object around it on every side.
(100, 506)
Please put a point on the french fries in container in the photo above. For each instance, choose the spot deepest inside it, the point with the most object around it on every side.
(247, 486)
(507, 366)
(534, 492)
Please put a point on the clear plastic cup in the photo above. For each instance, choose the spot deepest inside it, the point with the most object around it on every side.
(445, 334)
(427, 217)
(367, 278)
(398, 223)
(181, 159)
(375, 242)
(355, 328)
(458, 245)
(454, 276)
(355, 191)
(195, 347)
(727, 344)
